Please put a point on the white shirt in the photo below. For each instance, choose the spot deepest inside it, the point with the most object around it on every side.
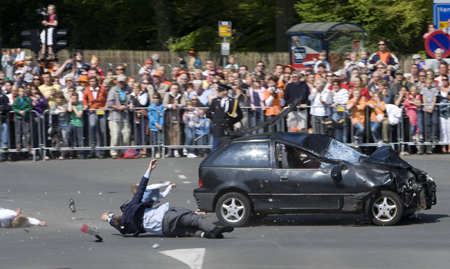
(153, 218)
(95, 92)
(317, 108)
(7, 215)
(341, 97)
(225, 104)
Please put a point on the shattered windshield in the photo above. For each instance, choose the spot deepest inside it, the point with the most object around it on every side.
(340, 151)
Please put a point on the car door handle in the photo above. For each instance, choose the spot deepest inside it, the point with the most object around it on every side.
(283, 177)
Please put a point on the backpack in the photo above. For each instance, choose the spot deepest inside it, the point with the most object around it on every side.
(130, 154)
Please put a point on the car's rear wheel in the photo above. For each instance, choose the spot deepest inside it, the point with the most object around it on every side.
(386, 209)
(233, 209)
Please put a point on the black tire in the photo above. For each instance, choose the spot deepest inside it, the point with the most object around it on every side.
(385, 209)
(233, 209)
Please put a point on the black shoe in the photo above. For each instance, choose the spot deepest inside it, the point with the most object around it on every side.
(429, 152)
(221, 230)
(101, 156)
(72, 206)
(209, 235)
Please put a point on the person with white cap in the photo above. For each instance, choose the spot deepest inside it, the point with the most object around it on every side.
(118, 119)
(418, 60)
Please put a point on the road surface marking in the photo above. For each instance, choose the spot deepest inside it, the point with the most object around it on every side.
(182, 176)
(193, 257)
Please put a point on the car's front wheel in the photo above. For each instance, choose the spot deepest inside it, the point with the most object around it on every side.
(386, 209)
(233, 209)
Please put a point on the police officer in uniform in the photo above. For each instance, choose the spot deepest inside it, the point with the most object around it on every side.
(224, 112)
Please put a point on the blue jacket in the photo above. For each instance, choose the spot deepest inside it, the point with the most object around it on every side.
(155, 115)
(202, 129)
(134, 211)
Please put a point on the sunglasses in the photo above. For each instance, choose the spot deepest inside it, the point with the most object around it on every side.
(119, 69)
(381, 44)
(155, 98)
(330, 76)
(445, 80)
(422, 76)
(260, 65)
(145, 83)
(36, 79)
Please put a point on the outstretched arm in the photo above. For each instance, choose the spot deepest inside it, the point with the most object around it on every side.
(143, 184)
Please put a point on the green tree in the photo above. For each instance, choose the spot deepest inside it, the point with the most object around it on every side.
(401, 22)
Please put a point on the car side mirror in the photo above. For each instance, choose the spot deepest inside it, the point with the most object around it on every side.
(336, 173)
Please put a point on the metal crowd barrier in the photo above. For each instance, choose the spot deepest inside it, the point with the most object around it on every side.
(96, 130)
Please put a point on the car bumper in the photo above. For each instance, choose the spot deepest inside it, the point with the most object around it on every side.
(205, 200)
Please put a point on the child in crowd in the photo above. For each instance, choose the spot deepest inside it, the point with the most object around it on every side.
(155, 113)
(377, 113)
(412, 106)
(429, 97)
(190, 118)
(357, 108)
(21, 107)
(322, 59)
(386, 94)
(363, 58)
(76, 122)
(58, 131)
(47, 34)
(202, 131)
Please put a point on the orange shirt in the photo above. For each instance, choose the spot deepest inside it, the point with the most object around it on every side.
(275, 108)
(358, 112)
(383, 56)
(378, 110)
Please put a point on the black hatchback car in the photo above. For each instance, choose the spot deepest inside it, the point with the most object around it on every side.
(289, 173)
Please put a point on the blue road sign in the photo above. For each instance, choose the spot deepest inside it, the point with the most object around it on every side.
(441, 13)
(437, 40)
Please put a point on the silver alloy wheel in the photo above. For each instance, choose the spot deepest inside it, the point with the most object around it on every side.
(233, 209)
(384, 209)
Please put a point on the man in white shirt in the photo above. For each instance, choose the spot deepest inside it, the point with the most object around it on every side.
(15, 219)
(141, 217)
(320, 100)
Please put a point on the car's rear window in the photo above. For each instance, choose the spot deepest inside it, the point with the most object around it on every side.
(247, 154)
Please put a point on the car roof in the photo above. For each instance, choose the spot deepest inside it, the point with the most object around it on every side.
(315, 142)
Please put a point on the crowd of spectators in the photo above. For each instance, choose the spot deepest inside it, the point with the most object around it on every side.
(79, 104)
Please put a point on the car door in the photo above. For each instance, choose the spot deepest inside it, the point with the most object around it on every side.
(302, 183)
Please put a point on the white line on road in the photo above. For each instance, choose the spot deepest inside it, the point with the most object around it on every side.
(176, 170)
(182, 176)
(191, 256)
(186, 182)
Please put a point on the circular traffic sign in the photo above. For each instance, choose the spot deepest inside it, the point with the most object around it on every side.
(437, 40)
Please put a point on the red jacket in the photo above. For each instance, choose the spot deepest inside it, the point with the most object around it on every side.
(88, 98)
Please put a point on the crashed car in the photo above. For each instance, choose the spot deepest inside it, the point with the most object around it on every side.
(290, 173)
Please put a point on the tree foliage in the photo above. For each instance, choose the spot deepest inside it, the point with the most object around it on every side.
(400, 22)
(192, 25)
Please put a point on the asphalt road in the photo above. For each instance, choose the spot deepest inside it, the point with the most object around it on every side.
(42, 190)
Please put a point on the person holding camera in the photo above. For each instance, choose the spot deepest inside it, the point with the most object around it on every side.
(50, 22)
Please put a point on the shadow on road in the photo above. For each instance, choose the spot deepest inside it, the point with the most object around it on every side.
(338, 220)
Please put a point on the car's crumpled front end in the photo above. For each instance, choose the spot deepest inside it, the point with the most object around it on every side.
(415, 187)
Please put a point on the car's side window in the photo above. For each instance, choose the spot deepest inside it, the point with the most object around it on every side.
(248, 154)
(289, 157)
